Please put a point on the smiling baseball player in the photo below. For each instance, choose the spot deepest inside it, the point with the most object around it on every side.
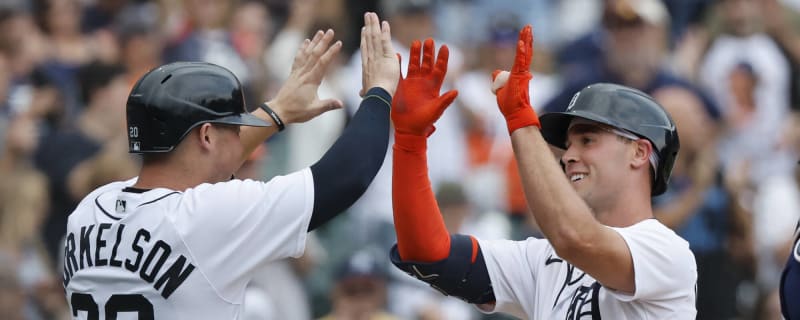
(604, 256)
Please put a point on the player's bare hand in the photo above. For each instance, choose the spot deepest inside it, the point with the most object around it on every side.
(417, 104)
(379, 62)
(297, 99)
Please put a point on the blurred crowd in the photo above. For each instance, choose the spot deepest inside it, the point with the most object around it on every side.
(727, 70)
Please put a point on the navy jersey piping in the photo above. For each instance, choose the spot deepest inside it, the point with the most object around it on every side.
(96, 202)
(159, 198)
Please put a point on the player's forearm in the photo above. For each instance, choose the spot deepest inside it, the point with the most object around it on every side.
(453, 264)
(343, 174)
(421, 232)
(562, 215)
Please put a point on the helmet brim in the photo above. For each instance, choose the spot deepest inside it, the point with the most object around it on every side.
(243, 119)
(556, 124)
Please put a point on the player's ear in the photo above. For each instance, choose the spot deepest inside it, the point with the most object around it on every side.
(205, 135)
(641, 153)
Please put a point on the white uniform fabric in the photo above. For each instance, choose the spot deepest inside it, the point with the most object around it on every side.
(531, 282)
(190, 254)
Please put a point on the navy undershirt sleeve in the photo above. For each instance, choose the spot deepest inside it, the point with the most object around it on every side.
(343, 174)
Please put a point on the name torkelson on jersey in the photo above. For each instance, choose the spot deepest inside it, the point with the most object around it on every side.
(99, 245)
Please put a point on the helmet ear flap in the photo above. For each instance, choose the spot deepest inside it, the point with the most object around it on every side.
(666, 163)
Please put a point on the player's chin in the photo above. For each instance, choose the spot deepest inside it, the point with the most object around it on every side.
(579, 184)
(581, 187)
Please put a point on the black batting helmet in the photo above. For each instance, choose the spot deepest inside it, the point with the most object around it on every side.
(624, 108)
(167, 102)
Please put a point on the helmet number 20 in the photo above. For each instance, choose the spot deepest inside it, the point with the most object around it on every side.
(133, 132)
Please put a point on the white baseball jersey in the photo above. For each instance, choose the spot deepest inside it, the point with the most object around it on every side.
(166, 254)
(531, 282)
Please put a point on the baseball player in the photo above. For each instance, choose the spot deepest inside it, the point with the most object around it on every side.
(182, 240)
(789, 291)
(604, 255)
(790, 281)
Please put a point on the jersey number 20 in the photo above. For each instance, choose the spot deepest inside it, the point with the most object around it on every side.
(115, 304)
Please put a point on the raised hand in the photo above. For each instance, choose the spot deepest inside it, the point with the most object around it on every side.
(379, 62)
(511, 88)
(417, 103)
(297, 99)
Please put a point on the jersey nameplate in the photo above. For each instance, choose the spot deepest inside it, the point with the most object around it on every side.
(100, 246)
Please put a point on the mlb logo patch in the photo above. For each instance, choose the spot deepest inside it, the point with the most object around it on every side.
(121, 204)
(135, 146)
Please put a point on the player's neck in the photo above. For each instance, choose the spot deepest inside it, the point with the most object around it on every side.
(625, 217)
(170, 175)
(627, 209)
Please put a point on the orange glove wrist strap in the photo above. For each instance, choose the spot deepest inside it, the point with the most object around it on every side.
(410, 142)
(522, 117)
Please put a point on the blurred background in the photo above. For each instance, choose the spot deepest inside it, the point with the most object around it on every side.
(727, 71)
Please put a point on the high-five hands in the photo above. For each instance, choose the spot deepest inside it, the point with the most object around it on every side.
(417, 103)
(511, 88)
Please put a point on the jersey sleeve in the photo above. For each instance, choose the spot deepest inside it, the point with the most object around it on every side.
(663, 265)
(513, 270)
(232, 228)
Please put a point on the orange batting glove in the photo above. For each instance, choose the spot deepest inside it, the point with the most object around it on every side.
(417, 105)
(512, 96)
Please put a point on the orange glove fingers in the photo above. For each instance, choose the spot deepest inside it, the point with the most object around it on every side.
(417, 104)
(522, 61)
(427, 57)
(441, 105)
(413, 60)
(440, 69)
(421, 233)
(443, 101)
